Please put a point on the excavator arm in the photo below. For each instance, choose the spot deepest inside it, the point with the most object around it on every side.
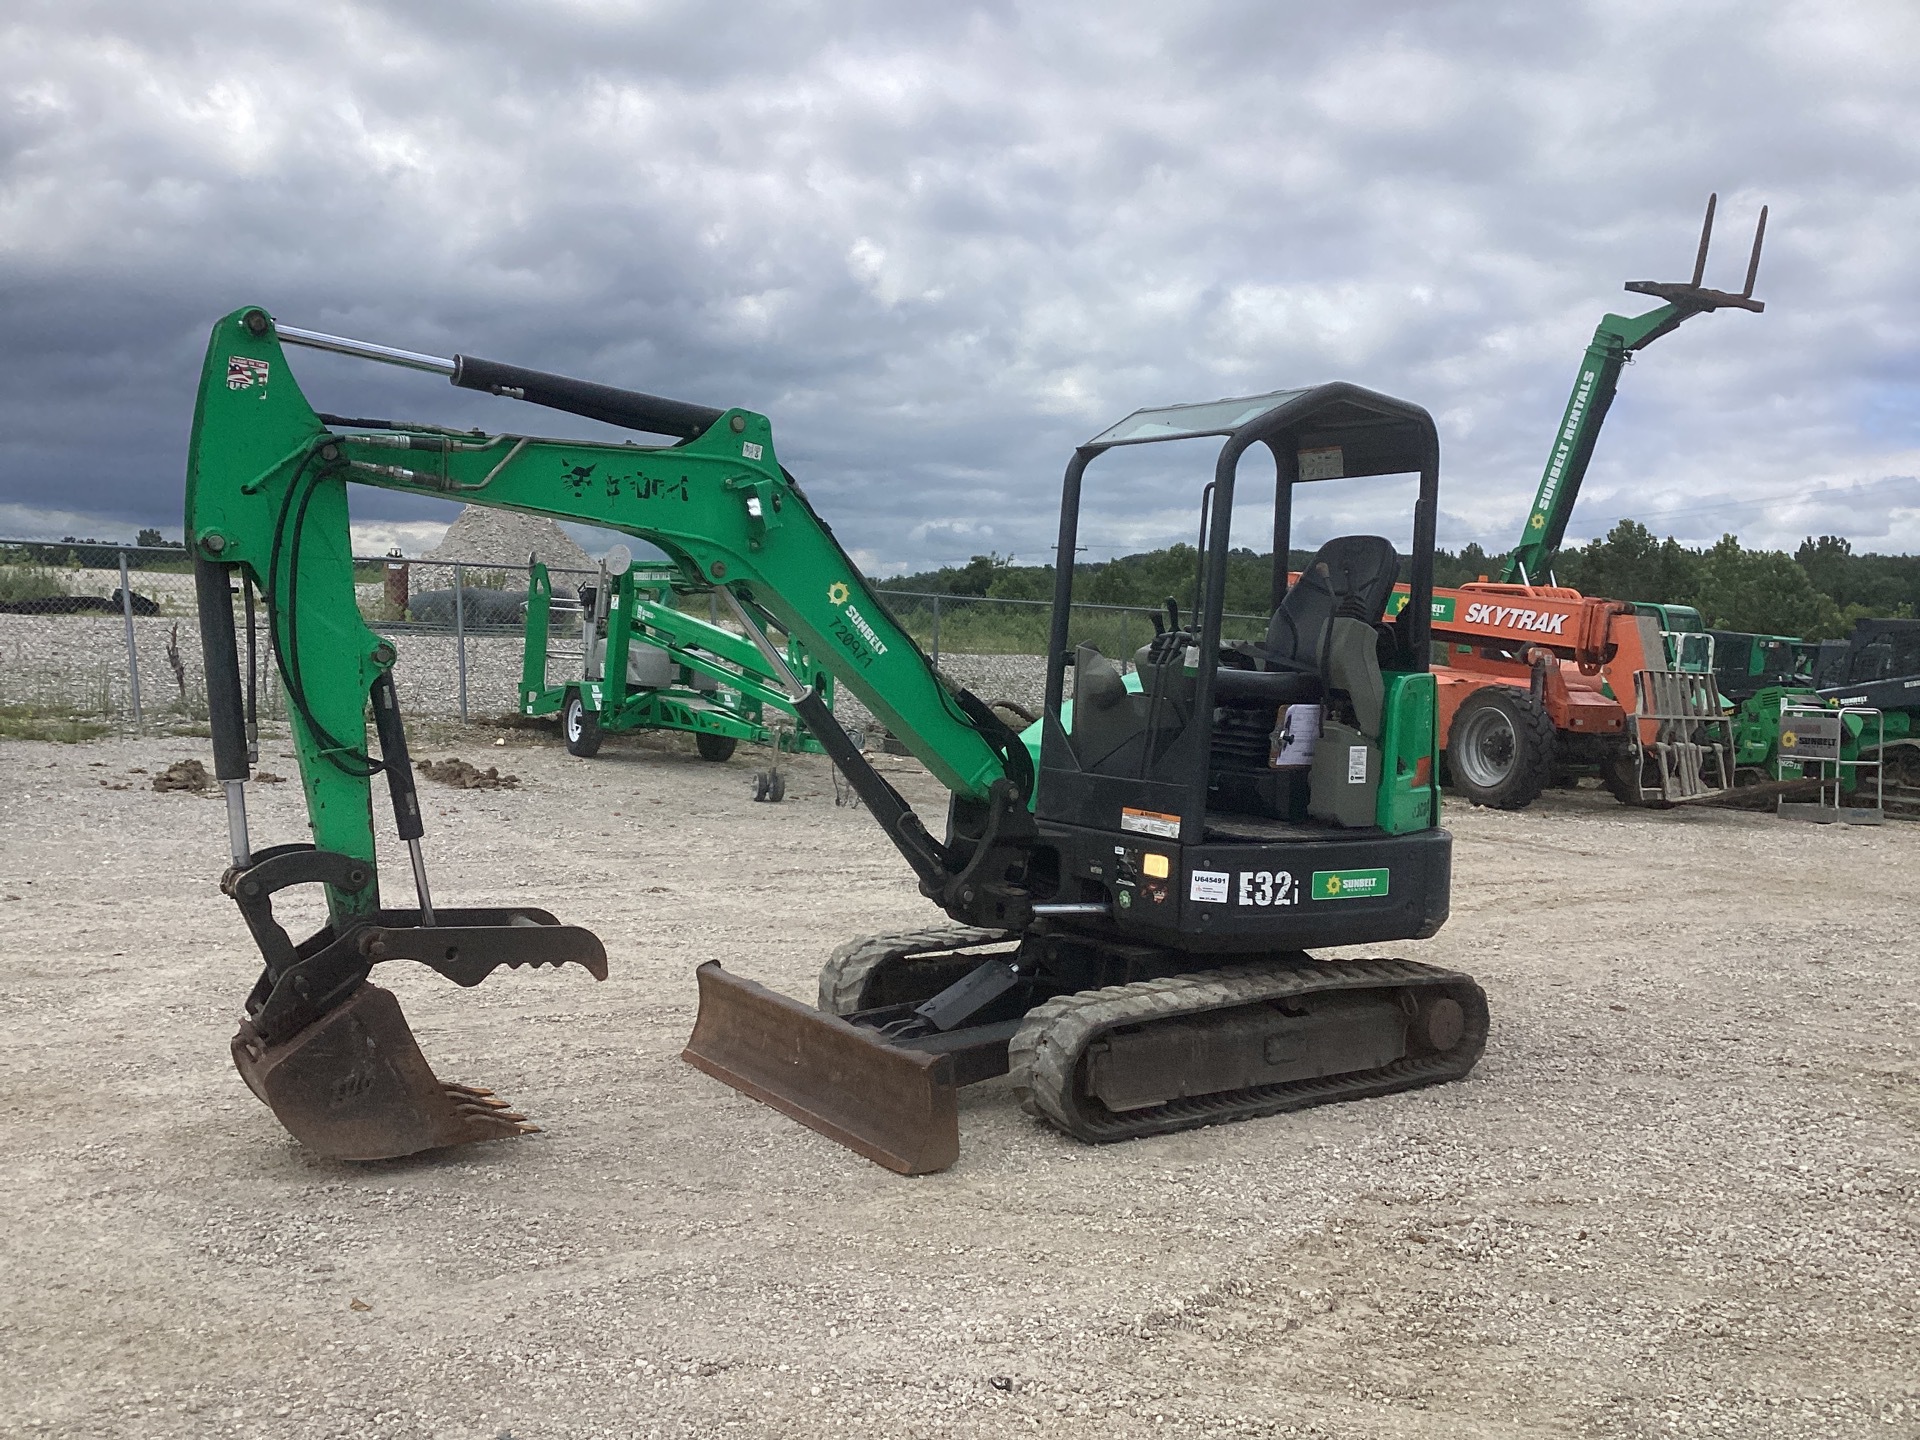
(1615, 339)
(267, 516)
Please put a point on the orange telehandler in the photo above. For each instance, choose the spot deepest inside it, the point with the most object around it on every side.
(1538, 681)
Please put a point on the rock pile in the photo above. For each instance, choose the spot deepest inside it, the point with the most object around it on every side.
(500, 537)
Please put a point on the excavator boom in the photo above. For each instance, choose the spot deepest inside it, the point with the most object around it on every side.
(266, 512)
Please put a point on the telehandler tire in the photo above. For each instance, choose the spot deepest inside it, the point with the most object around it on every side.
(581, 727)
(1624, 781)
(1500, 750)
(717, 748)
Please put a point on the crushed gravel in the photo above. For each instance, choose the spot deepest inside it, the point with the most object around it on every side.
(1677, 1197)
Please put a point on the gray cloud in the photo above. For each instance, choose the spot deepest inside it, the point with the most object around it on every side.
(938, 244)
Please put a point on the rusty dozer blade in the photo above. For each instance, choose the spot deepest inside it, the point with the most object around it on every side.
(354, 1086)
(896, 1107)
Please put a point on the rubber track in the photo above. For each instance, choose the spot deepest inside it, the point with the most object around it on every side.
(1045, 1054)
(844, 978)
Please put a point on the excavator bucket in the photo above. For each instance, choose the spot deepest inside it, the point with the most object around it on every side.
(354, 1086)
(895, 1106)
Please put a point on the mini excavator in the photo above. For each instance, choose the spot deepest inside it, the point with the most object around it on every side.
(1133, 885)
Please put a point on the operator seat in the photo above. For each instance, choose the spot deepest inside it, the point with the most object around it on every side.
(1340, 596)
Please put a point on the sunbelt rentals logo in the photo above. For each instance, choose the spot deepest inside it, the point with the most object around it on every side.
(1349, 884)
(855, 632)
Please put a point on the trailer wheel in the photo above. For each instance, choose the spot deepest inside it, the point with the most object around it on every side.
(717, 748)
(581, 727)
(1500, 749)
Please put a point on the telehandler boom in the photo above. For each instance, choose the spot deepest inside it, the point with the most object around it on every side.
(1133, 908)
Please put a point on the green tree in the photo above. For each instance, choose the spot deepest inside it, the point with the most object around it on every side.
(1764, 592)
(1630, 564)
(1827, 562)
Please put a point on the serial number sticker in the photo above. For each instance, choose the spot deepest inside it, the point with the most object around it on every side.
(1150, 822)
(750, 450)
(1356, 765)
(1208, 886)
(1349, 884)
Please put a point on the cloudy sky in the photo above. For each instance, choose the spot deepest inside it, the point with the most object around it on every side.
(940, 243)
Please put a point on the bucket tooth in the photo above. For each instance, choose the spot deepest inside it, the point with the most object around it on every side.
(354, 1086)
(895, 1106)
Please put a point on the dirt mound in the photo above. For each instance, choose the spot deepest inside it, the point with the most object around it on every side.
(183, 775)
(499, 537)
(462, 776)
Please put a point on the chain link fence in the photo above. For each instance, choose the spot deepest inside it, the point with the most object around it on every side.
(97, 637)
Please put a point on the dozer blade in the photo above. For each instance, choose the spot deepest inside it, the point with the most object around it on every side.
(896, 1107)
(354, 1086)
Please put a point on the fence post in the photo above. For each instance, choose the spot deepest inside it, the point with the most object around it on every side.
(936, 632)
(460, 631)
(133, 652)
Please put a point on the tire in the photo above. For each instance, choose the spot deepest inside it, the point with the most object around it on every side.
(776, 787)
(1500, 750)
(717, 748)
(581, 727)
(1617, 774)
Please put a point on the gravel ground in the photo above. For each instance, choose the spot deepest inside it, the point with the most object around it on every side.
(1677, 1198)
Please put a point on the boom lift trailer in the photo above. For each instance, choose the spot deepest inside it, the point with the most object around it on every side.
(1134, 909)
(646, 665)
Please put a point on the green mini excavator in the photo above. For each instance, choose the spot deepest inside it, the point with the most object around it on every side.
(1131, 897)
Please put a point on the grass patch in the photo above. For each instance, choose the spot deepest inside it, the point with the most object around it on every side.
(33, 722)
(30, 582)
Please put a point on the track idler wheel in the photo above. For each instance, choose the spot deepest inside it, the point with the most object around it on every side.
(354, 1086)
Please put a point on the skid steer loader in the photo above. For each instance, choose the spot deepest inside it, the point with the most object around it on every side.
(1133, 887)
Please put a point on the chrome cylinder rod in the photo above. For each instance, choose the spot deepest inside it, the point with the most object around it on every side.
(774, 658)
(420, 882)
(362, 350)
(238, 846)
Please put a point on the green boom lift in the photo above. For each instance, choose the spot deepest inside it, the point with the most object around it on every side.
(1134, 908)
(647, 665)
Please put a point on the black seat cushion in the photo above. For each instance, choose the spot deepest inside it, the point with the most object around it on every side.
(1359, 569)
(1267, 688)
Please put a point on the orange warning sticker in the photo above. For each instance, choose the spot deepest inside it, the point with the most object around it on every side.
(1150, 822)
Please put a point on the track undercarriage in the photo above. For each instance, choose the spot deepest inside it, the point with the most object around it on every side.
(1104, 1040)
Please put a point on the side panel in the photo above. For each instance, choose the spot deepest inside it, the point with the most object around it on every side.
(1409, 739)
(1256, 898)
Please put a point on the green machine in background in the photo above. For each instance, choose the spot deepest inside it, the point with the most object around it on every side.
(1872, 675)
(645, 665)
